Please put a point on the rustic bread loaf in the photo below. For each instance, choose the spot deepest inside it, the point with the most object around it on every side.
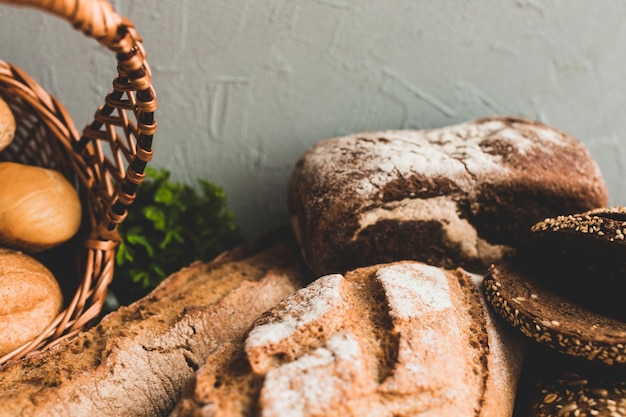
(399, 339)
(136, 360)
(462, 195)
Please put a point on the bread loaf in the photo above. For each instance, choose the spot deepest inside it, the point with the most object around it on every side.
(464, 195)
(30, 298)
(546, 317)
(7, 124)
(136, 361)
(582, 257)
(400, 339)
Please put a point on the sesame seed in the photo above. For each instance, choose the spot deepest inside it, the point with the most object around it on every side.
(550, 398)
(568, 408)
(600, 392)
(579, 382)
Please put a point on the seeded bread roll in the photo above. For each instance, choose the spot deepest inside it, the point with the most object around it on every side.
(7, 125)
(582, 257)
(558, 385)
(463, 195)
(546, 317)
(400, 339)
(576, 395)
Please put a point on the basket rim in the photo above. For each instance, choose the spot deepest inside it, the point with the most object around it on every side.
(115, 178)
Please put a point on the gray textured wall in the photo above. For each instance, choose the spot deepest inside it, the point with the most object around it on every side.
(245, 86)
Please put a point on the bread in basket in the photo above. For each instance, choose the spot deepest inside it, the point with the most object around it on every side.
(105, 161)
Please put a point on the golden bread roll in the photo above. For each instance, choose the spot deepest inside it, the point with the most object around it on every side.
(7, 124)
(39, 208)
(31, 299)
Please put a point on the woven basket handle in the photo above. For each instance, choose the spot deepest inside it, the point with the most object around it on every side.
(95, 18)
(106, 160)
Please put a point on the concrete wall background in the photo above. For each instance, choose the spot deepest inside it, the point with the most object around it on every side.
(246, 86)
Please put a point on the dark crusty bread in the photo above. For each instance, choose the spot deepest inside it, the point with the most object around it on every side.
(559, 385)
(463, 195)
(136, 361)
(576, 395)
(545, 316)
(400, 339)
(582, 257)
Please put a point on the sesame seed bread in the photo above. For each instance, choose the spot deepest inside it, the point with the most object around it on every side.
(463, 195)
(546, 317)
(567, 388)
(398, 339)
(575, 395)
(605, 224)
(582, 256)
(137, 360)
(554, 384)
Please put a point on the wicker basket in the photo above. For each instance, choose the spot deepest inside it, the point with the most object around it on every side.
(106, 162)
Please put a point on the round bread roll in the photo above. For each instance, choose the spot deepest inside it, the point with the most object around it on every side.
(31, 299)
(7, 124)
(39, 208)
(463, 195)
(542, 314)
(582, 257)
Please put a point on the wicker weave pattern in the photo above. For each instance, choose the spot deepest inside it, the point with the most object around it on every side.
(106, 161)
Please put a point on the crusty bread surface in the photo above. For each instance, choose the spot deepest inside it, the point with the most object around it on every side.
(463, 195)
(399, 339)
(136, 361)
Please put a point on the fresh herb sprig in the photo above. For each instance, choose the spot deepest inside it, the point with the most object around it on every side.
(169, 226)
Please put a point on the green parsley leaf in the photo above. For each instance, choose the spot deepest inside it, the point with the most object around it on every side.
(169, 226)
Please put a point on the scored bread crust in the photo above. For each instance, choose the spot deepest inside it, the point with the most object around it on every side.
(136, 361)
(402, 339)
(463, 195)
